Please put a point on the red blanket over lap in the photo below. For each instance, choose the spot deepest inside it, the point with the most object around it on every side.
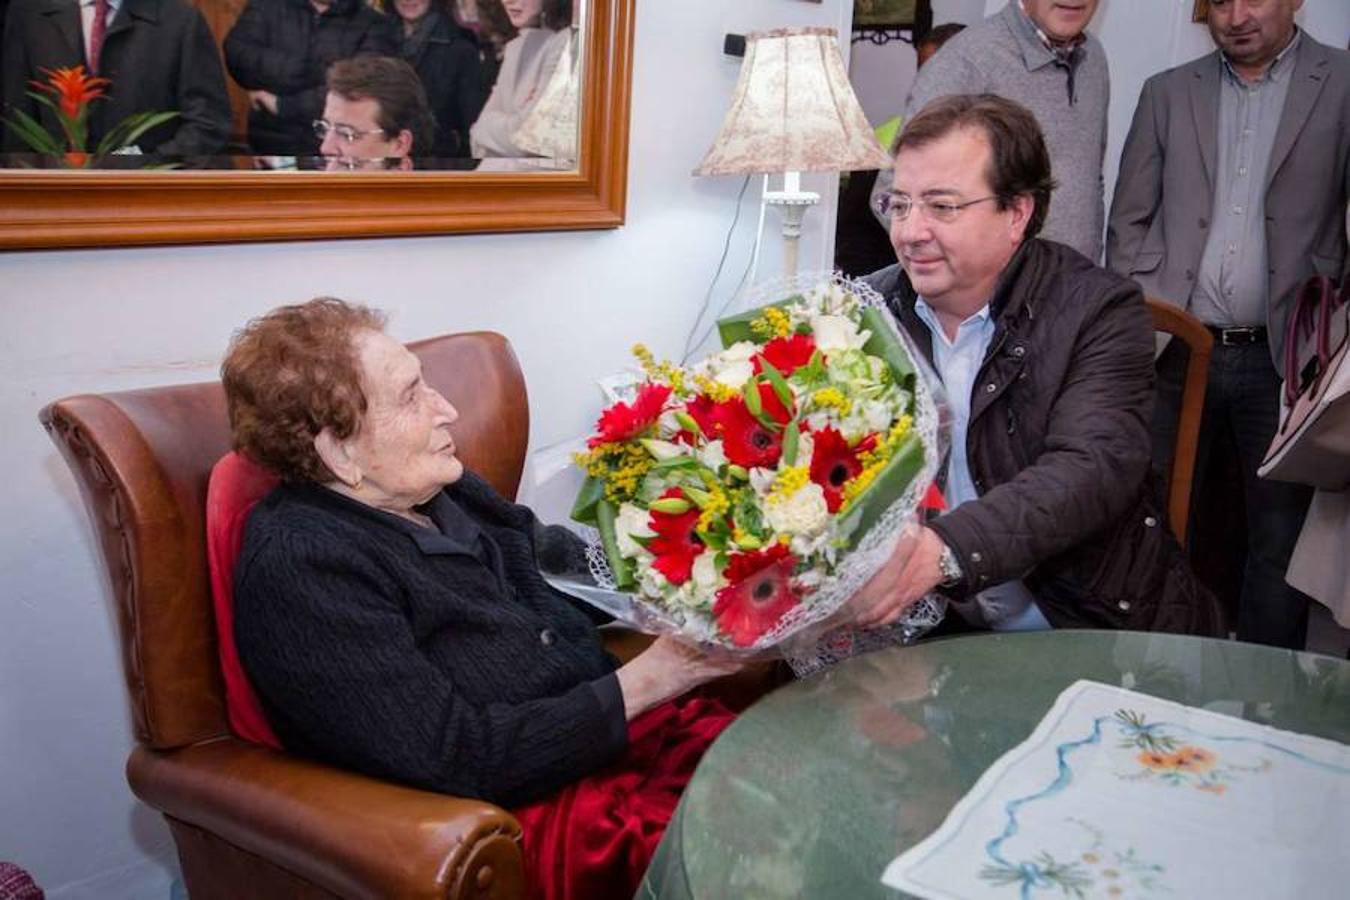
(593, 839)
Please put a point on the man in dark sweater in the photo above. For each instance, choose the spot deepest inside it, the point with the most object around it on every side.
(280, 50)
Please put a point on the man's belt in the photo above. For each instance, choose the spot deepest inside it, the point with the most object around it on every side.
(1233, 337)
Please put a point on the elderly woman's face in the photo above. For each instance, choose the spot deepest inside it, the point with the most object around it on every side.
(403, 447)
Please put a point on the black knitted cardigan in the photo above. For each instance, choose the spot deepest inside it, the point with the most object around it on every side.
(440, 659)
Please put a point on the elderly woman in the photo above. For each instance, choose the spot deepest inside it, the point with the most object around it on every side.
(389, 608)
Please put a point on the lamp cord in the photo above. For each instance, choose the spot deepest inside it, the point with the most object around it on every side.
(689, 343)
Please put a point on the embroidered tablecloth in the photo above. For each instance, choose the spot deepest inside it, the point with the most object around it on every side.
(1118, 794)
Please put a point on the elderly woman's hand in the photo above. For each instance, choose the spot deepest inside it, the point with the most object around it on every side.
(666, 670)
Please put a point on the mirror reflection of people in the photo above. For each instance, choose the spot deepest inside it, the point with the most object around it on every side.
(375, 115)
(446, 59)
(528, 61)
(158, 54)
(280, 51)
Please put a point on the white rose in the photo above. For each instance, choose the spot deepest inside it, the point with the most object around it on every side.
(735, 375)
(804, 512)
(837, 333)
(761, 480)
(706, 578)
(712, 455)
(631, 520)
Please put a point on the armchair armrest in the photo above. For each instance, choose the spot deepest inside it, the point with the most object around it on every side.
(352, 835)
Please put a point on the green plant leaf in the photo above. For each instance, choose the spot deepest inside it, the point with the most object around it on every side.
(31, 132)
(780, 387)
(125, 132)
(591, 493)
(605, 514)
(791, 439)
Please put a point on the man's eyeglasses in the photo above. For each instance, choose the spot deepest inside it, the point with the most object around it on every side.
(896, 207)
(346, 133)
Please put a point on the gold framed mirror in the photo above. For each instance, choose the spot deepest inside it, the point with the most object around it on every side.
(81, 208)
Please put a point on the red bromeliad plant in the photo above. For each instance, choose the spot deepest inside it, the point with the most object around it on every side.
(69, 93)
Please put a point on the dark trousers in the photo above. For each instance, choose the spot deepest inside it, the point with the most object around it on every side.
(1243, 401)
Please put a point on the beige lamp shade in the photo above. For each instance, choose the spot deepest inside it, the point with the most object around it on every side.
(794, 110)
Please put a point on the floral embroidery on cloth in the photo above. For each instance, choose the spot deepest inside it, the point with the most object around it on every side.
(1119, 794)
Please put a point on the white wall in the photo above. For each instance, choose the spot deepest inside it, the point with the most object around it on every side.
(572, 304)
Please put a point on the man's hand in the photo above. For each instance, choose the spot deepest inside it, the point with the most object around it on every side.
(263, 100)
(910, 573)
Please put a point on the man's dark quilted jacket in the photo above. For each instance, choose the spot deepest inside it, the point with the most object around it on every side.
(1059, 450)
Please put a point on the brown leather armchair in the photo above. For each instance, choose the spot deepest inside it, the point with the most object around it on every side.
(249, 821)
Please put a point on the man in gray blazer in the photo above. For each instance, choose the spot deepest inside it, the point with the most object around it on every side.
(1232, 191)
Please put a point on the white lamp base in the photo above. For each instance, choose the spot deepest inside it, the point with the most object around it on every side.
(794, 202)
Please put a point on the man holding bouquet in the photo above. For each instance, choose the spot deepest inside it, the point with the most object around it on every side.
(1047, 359)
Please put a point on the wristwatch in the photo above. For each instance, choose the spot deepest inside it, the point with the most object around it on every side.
(949, 567)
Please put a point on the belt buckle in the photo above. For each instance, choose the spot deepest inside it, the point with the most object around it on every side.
(1237, 337)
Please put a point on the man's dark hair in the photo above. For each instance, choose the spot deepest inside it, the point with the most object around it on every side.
(394, 85)
(936, 37)
(1019, 160)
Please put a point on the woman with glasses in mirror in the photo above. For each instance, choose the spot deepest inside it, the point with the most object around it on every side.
(544, 28)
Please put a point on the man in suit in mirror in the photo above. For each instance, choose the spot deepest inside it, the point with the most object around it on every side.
(1232, 189)
(159, 56)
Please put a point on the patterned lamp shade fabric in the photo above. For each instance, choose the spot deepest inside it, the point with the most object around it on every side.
(794, 110)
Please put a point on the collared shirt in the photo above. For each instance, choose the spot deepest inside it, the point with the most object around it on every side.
(1064, 54)
(87, 19)
(1050, 43)
(1233, 287)
(1008, 606)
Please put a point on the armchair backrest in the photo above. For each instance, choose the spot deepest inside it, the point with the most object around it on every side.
(142, 460)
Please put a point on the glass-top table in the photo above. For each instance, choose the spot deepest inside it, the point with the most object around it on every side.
(816, 788)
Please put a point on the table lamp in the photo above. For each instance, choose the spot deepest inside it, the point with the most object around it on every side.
(794, 111)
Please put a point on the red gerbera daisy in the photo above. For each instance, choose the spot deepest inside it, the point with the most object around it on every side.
(746, 440)
(702, 410)
(834, 463)
(786, 354)
(623, 421)
(676, 544)
(758, 596)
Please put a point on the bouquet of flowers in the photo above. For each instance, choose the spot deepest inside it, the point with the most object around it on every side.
(743, 498)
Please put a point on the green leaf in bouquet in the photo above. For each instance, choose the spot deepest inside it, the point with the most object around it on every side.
(701, 499)
(753, 403)
(671, 506)
(591, 493)
(813, 373)
(675, 462)
(791, 439)
(885, 489)
(605, 515)
(780, 387)
(688, 423)
(885, 343)
(737, 473)
(734, 329)
(714, 539)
